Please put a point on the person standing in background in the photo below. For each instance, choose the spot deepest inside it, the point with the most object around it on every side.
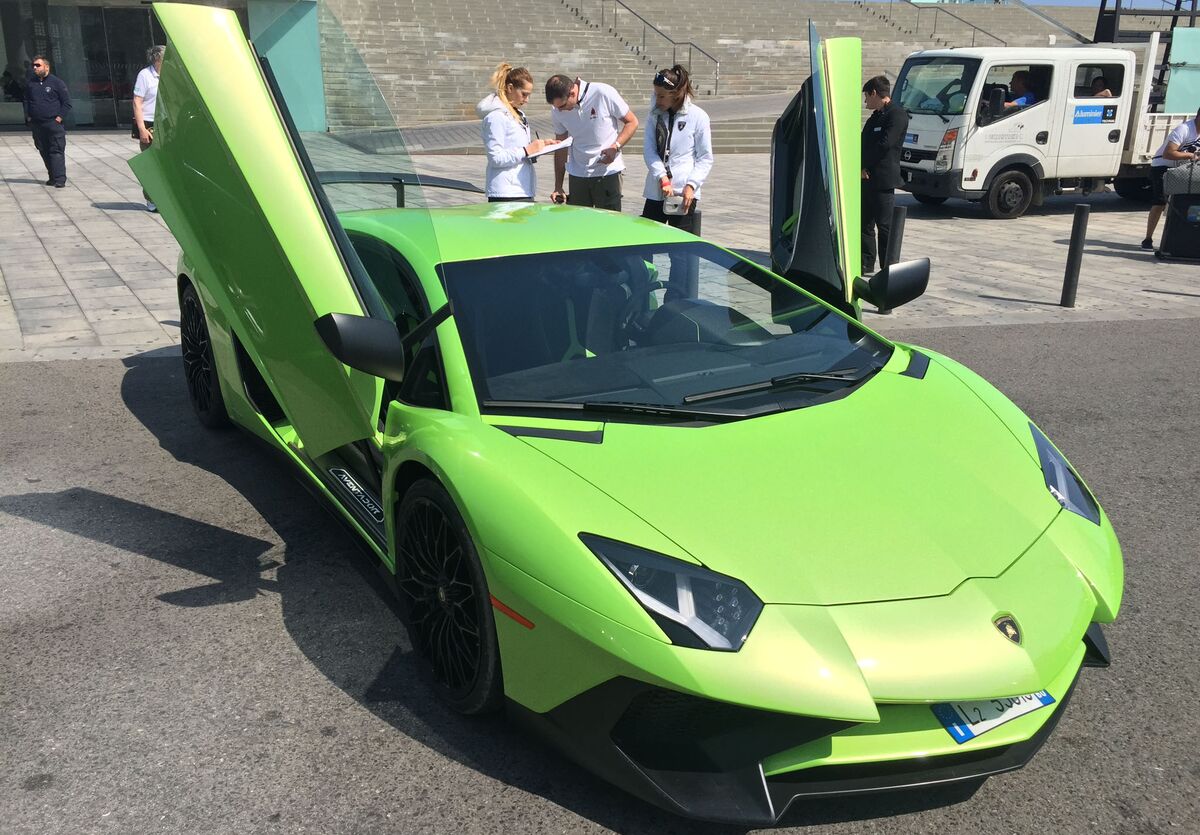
(507, 139)
(882, 138)
(47, 103)
(677, 150)
(599, 123)
(1182, 144)
(145, 99)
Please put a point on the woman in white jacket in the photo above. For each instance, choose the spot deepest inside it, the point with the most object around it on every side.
(507, 138)
(678, 152)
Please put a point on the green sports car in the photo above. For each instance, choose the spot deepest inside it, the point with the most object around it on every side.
(685, 516)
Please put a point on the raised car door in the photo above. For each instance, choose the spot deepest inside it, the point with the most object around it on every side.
(815, 175)
(231, 186)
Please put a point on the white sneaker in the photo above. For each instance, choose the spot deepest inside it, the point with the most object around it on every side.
(150, 207)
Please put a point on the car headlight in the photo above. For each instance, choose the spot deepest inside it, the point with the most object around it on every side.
(1062, 481)
(695, 607)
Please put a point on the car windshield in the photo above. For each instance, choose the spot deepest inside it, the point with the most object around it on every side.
(664, 325)
(936, 86)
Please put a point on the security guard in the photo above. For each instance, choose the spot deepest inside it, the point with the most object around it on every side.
(882, 138)
(47, 104)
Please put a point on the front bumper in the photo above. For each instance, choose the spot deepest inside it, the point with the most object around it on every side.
(718, 762)
(943, 184)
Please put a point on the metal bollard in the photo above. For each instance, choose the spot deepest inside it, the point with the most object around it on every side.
(1075, 255)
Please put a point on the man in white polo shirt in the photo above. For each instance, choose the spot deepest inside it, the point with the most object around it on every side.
(599, 123)
(145, 99)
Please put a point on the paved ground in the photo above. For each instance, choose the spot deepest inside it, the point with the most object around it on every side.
(86, 272)
(188, 645)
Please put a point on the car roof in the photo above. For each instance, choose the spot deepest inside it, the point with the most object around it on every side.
(491, 230)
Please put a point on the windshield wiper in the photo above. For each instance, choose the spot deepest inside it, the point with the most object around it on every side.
(842, 375)
(614, 407)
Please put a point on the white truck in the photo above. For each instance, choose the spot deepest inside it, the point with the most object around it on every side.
(1087, 121)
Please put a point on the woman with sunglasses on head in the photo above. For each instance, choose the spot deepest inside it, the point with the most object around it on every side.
(678, 152)
(507, 138)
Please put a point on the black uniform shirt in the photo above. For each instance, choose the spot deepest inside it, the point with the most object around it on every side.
(882, 138)
(46, 98)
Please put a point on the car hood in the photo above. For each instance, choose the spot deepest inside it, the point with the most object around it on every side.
(904, 488)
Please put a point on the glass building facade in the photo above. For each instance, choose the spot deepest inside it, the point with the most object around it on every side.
(97, 48)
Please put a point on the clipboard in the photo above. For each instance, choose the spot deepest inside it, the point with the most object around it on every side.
(558, 146)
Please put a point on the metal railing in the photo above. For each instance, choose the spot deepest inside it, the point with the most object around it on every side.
(939, 15)
(1053, 21)
(618, 19)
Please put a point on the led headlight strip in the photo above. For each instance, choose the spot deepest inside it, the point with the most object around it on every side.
(694, 606)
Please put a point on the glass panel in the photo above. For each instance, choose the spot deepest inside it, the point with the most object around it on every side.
(128, 35)
(344, 129)
(647, 324)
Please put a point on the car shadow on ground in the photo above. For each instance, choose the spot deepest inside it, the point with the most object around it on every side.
(1062, 206)
(343, 617)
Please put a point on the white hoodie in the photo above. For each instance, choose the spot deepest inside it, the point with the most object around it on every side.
(509, 171)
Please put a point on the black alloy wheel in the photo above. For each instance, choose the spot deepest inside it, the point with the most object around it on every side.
(200, 371)
(449, 611)
(1010, 195)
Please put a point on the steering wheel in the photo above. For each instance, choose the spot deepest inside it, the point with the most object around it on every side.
(629, 323)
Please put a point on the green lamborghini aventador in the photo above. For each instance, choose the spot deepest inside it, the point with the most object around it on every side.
(684, 515)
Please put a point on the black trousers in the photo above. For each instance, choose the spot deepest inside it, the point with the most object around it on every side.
(876, 218)
(598, 192)
(50, 137)
(684, 280)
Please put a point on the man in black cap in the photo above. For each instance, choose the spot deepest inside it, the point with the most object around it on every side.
(882, 138)
(47, 104)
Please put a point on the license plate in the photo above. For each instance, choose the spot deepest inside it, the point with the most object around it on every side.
(966, 720)
(910, 139)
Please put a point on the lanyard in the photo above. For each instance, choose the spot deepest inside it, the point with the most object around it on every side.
(666, 153)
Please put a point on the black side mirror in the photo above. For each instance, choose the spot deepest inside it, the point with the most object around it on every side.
(895, 285)
(996, 103)
(370, 345)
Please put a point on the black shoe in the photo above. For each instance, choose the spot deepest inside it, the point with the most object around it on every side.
(50, 182)
(60, 185)
(1148, 243)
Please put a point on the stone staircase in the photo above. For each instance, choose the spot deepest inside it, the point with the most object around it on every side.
(432, 58)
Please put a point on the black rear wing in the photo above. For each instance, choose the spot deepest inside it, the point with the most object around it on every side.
(397, 180)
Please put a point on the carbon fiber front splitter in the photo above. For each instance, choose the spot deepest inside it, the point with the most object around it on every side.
(703, 759)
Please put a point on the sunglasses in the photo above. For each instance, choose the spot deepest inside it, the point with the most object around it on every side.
(661, 79)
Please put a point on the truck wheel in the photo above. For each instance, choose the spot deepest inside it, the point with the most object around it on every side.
(929, 199)
(1133, 188)
(1010, 195)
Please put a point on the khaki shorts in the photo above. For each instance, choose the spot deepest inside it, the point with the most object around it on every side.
(600, 192)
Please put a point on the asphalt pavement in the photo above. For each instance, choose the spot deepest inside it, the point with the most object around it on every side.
(188, 643)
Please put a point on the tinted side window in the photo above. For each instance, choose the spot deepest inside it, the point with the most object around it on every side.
(1098, 81)
(396, 283)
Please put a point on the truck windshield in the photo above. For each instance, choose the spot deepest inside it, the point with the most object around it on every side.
(936, 85)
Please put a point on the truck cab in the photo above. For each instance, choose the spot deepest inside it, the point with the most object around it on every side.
(1007, 126)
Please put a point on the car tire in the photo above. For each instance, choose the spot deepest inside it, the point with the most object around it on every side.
(929, 199)
(1136, 189)
(1010, 195)
(199, 367)
(447, 603)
